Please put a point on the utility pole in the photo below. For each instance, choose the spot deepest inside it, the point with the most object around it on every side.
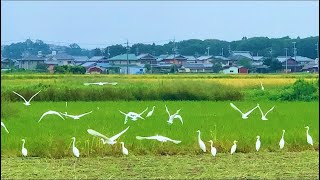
(294, 50)
(127, 57)
(317, 49)
(222, 52)
(229, 49)
(208, 48)
(271, 53)
(286, 60)
(108, 52)
(174, 50)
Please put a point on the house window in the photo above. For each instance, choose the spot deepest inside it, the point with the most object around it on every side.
(231, 70)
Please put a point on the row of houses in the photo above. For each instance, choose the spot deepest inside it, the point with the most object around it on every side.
(136, 64)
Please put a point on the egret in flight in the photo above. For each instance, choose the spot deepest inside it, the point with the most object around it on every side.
(258, 143)
(201, 143)
(281, 143)
(243, 115)
(234, 147)
(2, 124)
(134, 116)
(75, 150)
(264, 116)
(27, 103)
(159, 138)
(24, 150)
(173, 116)
(213, 149)
(50, 112)
(105, 139)
(150, 112)
(309, 138)
(76, 116)
(100, 83)
(124, 149)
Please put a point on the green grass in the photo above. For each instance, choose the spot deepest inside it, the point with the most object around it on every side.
(291, 165)
(52, 136)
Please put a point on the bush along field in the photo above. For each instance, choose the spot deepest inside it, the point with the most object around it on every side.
(204, 103)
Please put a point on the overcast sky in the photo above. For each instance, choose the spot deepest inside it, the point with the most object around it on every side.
(102, 23)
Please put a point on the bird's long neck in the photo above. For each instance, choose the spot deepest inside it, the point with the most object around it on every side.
(23, 144)
(307, 131)
(122, 144)
(74, 140)
(199, 135)
(282, 134)
(211, 144)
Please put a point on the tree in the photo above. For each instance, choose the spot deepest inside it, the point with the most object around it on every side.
(273, 63)
(148, 67)
(216, 67)
(245, 63)
(42, 67)
(174, 68)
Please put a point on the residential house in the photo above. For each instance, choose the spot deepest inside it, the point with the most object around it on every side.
(204, 59)
(88, 65)
(8, 63)
(30, 62)
(238, 55)
(62, 59)
(257, 60)
(291, 64)
(123, 59)
(196, 68)
(95, 70)
(226, 62)
(174, 59)
(231, 70)
(78, 60)
(99, 59)
(311, 67)
(302, 60)
(243, 70)
(191, 59)
(146, 59)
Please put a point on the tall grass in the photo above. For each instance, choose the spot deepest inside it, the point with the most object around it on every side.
(52, 136)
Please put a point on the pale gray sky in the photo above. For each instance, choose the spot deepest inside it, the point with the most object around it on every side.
(101, 23)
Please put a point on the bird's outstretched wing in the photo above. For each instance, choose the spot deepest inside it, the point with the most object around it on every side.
(144, 111)
(5, 128)
(87, 84)
(113, 138)
(34, 95)
(20, 96)
(140, 137)
(249, 112)
(123, 113)
(97, 134)
(167, 110)
(50, 112)
(174, 141)
(235, 107)
(178, 117)
(269, 111)
(84, 114)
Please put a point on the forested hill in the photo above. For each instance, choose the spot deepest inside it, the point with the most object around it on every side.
(257, 45)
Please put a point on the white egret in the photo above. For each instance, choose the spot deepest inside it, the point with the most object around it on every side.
(309, 138)
(243, 115)
(150, 112)
(124, 149)
(264, 116)
(27, 103)
(66, 104)
(234, 147)
(75, 150)
(213, 149)
(173, 116)
(76, 116)
(201, 143)
(258, 143)
(5, 128)
(281, 143)
(159, 138)
(100, 83)
(24, 150)
(134, 116)
(105, 139)
(50, 112)
(262, 88)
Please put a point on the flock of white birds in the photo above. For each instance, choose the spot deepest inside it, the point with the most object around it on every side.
(135, 116)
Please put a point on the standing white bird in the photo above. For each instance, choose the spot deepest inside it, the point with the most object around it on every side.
(201, 143)
(24, 150)
(97, 83)
(124, 149)
(234, 147)
(258, 143)
(105, 139)
(262, 88)
(243, 115)
(281, 143)
(150, 112)
(50, 112)
(76, 116)
(75, 150)
(2, 124)
(264, 116)
(134, 116)
(27, 103)
(213, 149)
(66, 104)
(159, 138)
(173, 116)
(309, 138)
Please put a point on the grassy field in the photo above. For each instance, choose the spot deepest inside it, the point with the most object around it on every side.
(293, 165)
(216, 120)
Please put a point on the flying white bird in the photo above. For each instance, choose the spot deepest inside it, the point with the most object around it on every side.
(75, 116)
(213, 149)
(262, 88)
(258, 143)
(309, 138)
(234, 147)
(75, 150)
(173, 116)
(281, 143)
(50, 112)
(100, 83)
(134, 116)
(124, 149)
(201, 143)
(150, 112)
(105, 139)
(264, 116)
(27, 103)
(159, 138)
(24, 150)
(243, 115)
(2, 124)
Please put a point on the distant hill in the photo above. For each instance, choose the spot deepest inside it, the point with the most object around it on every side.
(257, 46)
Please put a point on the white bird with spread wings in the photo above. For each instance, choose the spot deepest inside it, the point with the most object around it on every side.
(75, 116)
(27, 103)
(134, 116)
(173, 116)
(105, 139)
(159, 138)
(243, 115)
